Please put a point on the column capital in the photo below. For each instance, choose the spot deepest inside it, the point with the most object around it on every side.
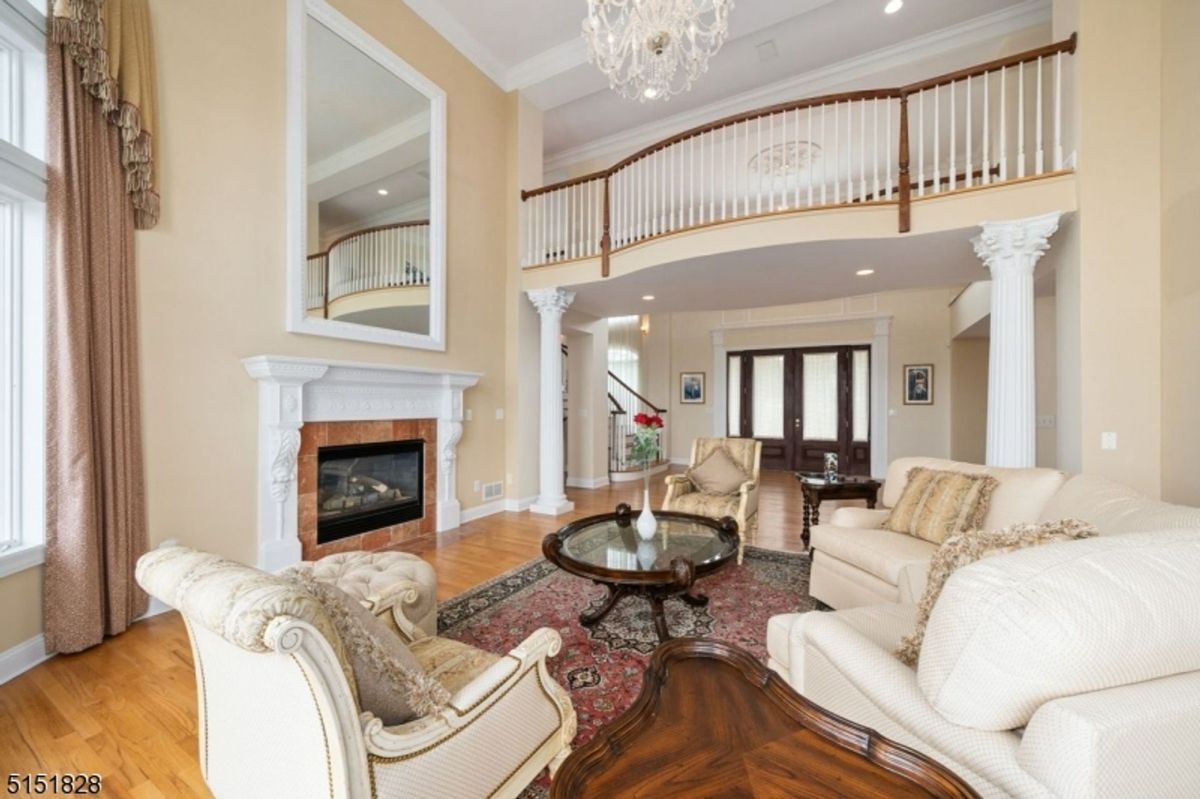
(552, 301)
(1015, 244)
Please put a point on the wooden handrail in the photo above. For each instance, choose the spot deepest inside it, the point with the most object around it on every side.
(1065, 46)
(617, 405)
(366, 230)
(645, 401)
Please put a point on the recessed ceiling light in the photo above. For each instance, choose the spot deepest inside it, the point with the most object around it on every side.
(647, 297)
(893, 6)
(865, 272)
(382, 192)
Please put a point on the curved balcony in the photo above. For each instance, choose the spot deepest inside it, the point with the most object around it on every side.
(872, 163)
(370, 270)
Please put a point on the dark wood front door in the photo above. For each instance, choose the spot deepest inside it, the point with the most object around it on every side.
(802, 403)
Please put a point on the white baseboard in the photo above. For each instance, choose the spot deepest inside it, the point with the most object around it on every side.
(587, 482)
(681, 461)
(480, 511)
(516, 504)
(626, 477)
(22, 657)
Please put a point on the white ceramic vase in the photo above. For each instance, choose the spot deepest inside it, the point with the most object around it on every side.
(647, 525)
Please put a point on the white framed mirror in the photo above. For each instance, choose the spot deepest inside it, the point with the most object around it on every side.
(366, 190)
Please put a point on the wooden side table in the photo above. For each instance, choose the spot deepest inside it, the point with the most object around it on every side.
(816, 488)
(711, 721)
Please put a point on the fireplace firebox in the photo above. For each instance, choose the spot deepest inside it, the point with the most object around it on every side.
(365, 487)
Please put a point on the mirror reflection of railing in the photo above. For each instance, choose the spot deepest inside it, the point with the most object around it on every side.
(991, 123)
(384, 257)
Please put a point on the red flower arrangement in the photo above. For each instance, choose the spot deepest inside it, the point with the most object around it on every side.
(648, 420)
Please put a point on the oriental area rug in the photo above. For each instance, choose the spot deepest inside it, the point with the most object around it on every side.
(602, 666)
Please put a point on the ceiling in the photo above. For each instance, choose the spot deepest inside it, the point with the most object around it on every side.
(535, 46)
(793, 273)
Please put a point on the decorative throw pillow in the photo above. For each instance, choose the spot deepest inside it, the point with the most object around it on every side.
(937, 503)
(960, 550)
(391, 683)
(718, 474)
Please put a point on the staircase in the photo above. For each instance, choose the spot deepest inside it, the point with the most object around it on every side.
(624, 405)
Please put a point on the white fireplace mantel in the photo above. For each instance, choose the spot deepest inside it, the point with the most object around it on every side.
(292, 391)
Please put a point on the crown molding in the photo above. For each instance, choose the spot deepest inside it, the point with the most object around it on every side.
(971, 32)
(445, 24)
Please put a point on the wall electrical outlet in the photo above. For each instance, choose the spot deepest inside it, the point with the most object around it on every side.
(476, 486)
(499, 414)
(1108, 441)
(469, 414)
(1046, 421)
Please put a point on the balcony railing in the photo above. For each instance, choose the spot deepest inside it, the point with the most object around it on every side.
(991, 123)
(385, 257)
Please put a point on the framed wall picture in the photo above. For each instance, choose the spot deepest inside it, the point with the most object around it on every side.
(691, 388)
(918, 384)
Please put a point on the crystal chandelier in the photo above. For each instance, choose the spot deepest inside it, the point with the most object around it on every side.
(652, 49)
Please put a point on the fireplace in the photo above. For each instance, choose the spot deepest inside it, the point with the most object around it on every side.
(365, 487)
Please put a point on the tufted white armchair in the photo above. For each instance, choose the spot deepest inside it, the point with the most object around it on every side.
(279, 717)
(683, 495)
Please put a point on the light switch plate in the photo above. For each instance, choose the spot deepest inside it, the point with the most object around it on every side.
(1108, 441)
(469, 414)
(499, 414)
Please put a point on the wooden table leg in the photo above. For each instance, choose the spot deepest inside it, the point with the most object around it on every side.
(614, 595)
(660, 619)
(807, 515)
(695, 600)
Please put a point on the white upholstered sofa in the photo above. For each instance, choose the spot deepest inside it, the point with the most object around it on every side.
(278, 716)
(1066, 670)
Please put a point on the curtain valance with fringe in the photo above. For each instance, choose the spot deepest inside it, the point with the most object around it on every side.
(110, 41)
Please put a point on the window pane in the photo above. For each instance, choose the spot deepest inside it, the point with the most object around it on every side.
(860, 389)
(735, 396)
(820, 396)
(22, 92)
(767, 410)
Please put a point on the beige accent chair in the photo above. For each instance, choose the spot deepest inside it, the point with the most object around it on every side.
(683, 495)
(278, 715)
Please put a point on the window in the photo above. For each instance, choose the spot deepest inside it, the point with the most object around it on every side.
(624, 349)
(820, 401)
(734, 384)
(860, 382)
(22, 254)
(766, 409)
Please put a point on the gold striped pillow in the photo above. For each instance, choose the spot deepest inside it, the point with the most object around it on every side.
(936, 504)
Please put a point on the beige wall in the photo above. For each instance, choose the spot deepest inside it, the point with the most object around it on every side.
(919, 334)
(1181, 251)
(211, 275)
(1114, 330)
(968, 399)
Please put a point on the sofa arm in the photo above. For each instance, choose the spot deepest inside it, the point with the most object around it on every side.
(1134, 740)
(677, 486)
(861, 518)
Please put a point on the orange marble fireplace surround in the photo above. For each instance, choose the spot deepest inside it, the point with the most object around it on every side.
(314, 435)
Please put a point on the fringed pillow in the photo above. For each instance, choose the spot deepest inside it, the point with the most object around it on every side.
(961, 550)
(936, 504)
(391, 683)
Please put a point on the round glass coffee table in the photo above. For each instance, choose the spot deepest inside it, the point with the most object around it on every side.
(607, 550)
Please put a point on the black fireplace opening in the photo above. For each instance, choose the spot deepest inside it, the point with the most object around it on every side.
(363, 487)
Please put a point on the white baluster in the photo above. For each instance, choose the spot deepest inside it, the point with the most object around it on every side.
(921, 144)
(796, 126)
(969, 177)
(953, 139)
(724, 171)
(809, 168)
(758, 149)
(887, 172)
(986, 133)
(1003, 127)
(1058, 148)
(712, 176)
(1021, 120)
(824, 156)
(937, 140)
(1039, 156)
(837, 154)
(875, 149)
(862, 150)
(849, 151)
(766, 174)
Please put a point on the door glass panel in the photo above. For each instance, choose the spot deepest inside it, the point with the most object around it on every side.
(767, 390)
(820, 396)
(860, 392)
(735, 396)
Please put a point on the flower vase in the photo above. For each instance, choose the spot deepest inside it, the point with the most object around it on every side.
(647, 525)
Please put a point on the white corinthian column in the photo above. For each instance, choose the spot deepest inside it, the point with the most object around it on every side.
(552, 499)
(1011, 250)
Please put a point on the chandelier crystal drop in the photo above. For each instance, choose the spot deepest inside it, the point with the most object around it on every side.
(652, 49)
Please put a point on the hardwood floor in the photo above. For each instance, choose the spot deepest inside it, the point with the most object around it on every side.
(127, 709)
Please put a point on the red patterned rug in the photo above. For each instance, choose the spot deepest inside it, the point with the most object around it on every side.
(602, 667)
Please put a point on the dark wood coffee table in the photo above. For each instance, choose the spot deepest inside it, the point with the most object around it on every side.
(712, 721)
(817, 487)
(607, 550)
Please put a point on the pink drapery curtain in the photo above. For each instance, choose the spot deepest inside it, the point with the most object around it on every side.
(95, 513)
